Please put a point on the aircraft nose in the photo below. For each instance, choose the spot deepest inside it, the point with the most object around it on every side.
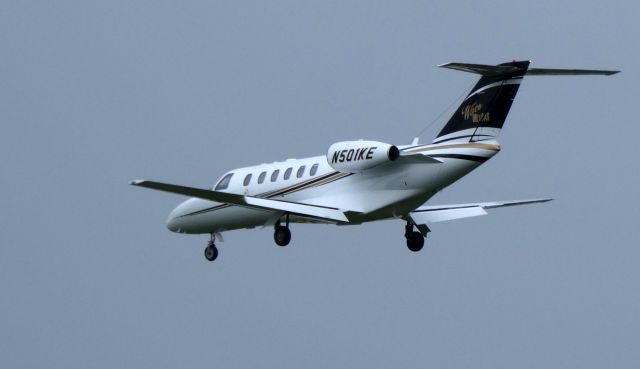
(172, 224)
(174, 220)
(184, 218)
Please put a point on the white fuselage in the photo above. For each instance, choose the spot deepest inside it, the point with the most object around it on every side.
(390, 190)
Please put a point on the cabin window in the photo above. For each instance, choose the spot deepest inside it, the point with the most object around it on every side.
(247, 179)
(274, 175)
(223, 183)
(314, 169)
(261, 177)
(300, 172)
(287, 173)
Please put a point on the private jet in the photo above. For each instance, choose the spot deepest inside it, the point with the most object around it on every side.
(364, 180)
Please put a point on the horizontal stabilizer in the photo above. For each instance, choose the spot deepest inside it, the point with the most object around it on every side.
(503, 69)
(313, 211)
(441, 215)
(434, 214)
(482, 69)
(569, 72)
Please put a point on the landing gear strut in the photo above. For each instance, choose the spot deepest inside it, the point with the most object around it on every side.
(211, 251)
(415, 240)
(281, 233)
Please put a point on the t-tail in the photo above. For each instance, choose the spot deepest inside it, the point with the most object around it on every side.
(483, 112)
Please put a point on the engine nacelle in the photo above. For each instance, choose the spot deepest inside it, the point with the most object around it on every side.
(357, 156)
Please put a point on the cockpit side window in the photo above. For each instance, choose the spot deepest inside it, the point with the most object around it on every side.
(223, 183)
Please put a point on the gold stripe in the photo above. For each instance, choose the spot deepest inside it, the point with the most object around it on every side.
(492, 147)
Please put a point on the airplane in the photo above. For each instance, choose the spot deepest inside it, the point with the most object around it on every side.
(364, 180)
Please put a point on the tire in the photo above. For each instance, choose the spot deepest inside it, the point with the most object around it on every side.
(211, 252)
(415, 241)
(282, 236)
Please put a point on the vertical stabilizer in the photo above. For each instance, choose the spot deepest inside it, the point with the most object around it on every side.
(482, 113)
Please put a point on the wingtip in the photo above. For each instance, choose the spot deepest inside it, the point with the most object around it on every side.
(541, 200)
(136, 182)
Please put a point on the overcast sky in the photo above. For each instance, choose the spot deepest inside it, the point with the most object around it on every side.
(94, 94)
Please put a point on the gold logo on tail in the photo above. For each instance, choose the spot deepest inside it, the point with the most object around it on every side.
(474, 113)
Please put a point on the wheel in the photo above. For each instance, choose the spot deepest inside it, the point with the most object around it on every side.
(211, 252)
(282, 235)
(415, 241)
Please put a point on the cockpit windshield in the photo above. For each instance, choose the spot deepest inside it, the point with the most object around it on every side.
(223, 183)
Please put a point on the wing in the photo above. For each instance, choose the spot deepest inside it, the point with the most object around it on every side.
(307, 210)
(433, 214)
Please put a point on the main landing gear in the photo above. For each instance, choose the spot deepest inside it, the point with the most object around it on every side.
(281, 233)
(211, 251)
(415, 240)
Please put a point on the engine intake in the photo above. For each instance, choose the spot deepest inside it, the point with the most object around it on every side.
(357, 156)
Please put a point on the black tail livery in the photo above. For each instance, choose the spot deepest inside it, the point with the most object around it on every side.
(483, 112)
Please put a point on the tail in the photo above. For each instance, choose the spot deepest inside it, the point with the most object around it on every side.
(482, 114)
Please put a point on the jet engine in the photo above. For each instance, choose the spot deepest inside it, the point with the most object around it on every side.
(357, 156)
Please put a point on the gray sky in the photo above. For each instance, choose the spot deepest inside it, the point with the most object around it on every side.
(93, 94)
